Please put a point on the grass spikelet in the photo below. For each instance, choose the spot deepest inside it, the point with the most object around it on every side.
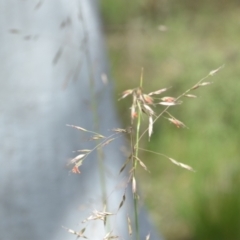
(146, 109)
(109, 236)
(84, 150)
(97, 137)
(148, 99)
(97, 215)
(75, 169)
(119, 130)
(213, 72)
(126, 93)
(177, 123)
(78, 157)
(123, 167)
(122, 202)
(150, 127)
(204, 84)
(190, 96)
(129, 226)
(181, 165)
(107, 142)
(168, 99)
(78, 128)
(169, 103)
(142, 164)
(158, 91)
(78, 234)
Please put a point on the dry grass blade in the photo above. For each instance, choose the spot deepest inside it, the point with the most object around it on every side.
(122, 202)
(181, 165)
(129, 226)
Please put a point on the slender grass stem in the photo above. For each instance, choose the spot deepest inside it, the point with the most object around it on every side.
(95, 117)
(135, 162)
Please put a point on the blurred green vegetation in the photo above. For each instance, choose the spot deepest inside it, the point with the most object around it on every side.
(178, 43)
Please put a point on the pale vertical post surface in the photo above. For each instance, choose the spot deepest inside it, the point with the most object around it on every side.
(44, 85)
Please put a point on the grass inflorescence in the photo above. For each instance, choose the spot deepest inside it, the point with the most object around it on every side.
(152, 105)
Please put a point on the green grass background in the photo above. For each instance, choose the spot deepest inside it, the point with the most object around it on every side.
(200, 36)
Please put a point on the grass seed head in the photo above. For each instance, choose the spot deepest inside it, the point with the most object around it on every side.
(204, 84)
(176, 122)
(129, 226)
(170, 103)
(168, 99)
(75, 169)
(190, 96)
(146, 109)
(158, 91)
(150, 127)
(126, 93)
(148, 99)
(215, 71)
